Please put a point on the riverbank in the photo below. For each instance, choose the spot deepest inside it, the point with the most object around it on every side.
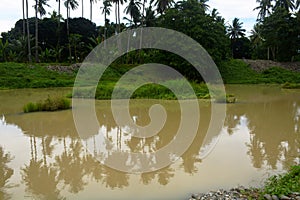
(47, 75)
(278, 187)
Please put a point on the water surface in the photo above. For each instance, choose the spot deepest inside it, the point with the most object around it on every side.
(260, 137)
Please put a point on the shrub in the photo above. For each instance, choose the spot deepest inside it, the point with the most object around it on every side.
(49, 104)
(284, 184)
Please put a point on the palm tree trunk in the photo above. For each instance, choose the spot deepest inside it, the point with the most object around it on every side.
(68, 34)
(28, 34)
(119, 21)
(142, 26)
(82, 8)
(23, 10)
(116, 13)
(59, 9)
(36, 32)
(58, 23)
(105, 27)
(91, 10)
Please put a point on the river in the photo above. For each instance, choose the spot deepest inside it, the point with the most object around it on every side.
(260, 137)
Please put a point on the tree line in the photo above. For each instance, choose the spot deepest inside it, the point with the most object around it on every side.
(275, 36)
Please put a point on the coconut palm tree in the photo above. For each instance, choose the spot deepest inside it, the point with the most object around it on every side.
(149, 16)
(255, 36)
(58, 1)
(162, 5)
(106, 9)
(297, 4)
(28, 33)
(117, 11)
(264, 8)
(204, 5)
(91, 8)
(289, 5)
(133, 9)
(23, 12)
(73, 4)
(235, 30)
(82, 8)
(39, 9)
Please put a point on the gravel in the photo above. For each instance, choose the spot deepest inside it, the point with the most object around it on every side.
(241, 193)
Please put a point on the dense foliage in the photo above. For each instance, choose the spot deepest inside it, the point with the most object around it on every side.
(276, 36)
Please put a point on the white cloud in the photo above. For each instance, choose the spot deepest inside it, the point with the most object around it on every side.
(242, 9)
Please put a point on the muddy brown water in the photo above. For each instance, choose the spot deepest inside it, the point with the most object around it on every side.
(260, 137)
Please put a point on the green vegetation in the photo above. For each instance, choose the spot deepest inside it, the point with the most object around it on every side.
(49, 104)
(283, 184)
(17, 75)
(238, 72)
(288, 85)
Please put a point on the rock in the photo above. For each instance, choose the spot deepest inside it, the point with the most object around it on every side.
(283, 197)
(268, 197)
(274, 197)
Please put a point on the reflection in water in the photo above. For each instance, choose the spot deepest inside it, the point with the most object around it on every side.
(274, 134)
(37, 172)
(5, 173)
(59, 164)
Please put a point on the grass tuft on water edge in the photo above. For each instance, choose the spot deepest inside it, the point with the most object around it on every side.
(49, 104)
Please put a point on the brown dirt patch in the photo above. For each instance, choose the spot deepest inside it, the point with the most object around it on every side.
(261, 65)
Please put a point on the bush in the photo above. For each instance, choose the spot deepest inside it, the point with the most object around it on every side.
(284, 184)
(49, 104)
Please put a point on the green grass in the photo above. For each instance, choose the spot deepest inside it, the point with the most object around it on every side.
(49, 104)
(288, 85)
(238, 72)
(18, 75)
(148, 91)
(21, 75)
(283, 184)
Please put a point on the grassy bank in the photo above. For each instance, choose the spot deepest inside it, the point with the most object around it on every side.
(21, 75)
(238, 72)
(18, 75)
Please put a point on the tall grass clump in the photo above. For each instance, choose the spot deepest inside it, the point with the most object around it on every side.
(49, 104)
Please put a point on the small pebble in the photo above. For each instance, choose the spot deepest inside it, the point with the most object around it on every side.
(283, 197)
(268, 197)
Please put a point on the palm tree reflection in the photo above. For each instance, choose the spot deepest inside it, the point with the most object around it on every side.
(5, 173)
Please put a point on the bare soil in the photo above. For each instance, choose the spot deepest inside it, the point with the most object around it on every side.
(261, 65)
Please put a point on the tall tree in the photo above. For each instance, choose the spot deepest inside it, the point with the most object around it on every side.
(117, 11)
(82, 8)
(39, 9)
(264, 8)
(58, 7)
(288, 5)
(235, 30)
(297, 4)
(162, 5)
(204, 5)
(28, 33)
(23, 12)
(73, 4)
(91, 8)
(106, 9)
(133, 9)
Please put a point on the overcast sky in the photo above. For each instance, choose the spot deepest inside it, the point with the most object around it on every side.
(11, 11)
